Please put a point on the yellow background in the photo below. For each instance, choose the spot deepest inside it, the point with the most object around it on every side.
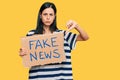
(95, 59)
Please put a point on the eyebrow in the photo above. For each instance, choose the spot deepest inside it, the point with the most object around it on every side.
(48, 13)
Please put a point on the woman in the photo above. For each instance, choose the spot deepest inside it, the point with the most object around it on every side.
(46, 24)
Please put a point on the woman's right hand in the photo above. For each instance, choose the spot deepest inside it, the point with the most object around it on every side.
(22, 52)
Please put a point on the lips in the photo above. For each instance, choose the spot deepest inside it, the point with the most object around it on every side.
(47, 21)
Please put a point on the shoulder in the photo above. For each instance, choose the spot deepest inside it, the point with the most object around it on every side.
(31, 32)
(59, 30)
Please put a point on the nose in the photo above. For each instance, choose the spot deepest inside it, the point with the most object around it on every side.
(48, 17)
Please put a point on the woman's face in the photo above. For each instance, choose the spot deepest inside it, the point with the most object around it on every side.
(48, 16)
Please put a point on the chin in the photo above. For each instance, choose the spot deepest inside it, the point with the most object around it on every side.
(47, 24)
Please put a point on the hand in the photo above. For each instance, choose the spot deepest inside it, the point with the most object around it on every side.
(71, 25)
(22, 52)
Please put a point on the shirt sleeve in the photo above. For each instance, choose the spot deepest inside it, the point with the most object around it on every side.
(71, 39)
(30, 33)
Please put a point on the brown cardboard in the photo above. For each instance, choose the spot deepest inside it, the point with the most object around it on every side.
(43, 49)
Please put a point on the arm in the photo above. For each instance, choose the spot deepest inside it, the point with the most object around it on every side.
(82, 36)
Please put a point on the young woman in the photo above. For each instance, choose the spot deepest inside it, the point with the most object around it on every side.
(46, 24)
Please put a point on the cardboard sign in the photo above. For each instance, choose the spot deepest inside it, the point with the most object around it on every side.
(43, 49)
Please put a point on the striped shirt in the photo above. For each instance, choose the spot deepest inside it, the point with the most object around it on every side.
(57, 71)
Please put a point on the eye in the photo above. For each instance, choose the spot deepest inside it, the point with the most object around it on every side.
(51, 14)
(45, 14)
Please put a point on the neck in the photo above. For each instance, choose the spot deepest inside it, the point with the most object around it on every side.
(47, 30)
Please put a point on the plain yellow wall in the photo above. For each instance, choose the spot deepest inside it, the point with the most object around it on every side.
(95, 59)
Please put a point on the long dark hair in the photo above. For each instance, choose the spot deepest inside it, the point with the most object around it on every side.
(39, 27)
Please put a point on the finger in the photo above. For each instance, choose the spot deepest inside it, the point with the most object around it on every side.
(20, 49)
(22, 54)
(70, 28)
(69, 23)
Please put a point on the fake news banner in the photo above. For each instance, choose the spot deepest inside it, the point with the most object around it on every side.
(43, 49)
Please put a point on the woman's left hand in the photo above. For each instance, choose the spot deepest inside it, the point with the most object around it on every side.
(71, 25)
(82, 34)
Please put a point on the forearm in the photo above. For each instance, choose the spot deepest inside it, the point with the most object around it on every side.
(82, 34)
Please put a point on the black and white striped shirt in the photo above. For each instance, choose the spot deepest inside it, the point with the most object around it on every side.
(57, 71)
